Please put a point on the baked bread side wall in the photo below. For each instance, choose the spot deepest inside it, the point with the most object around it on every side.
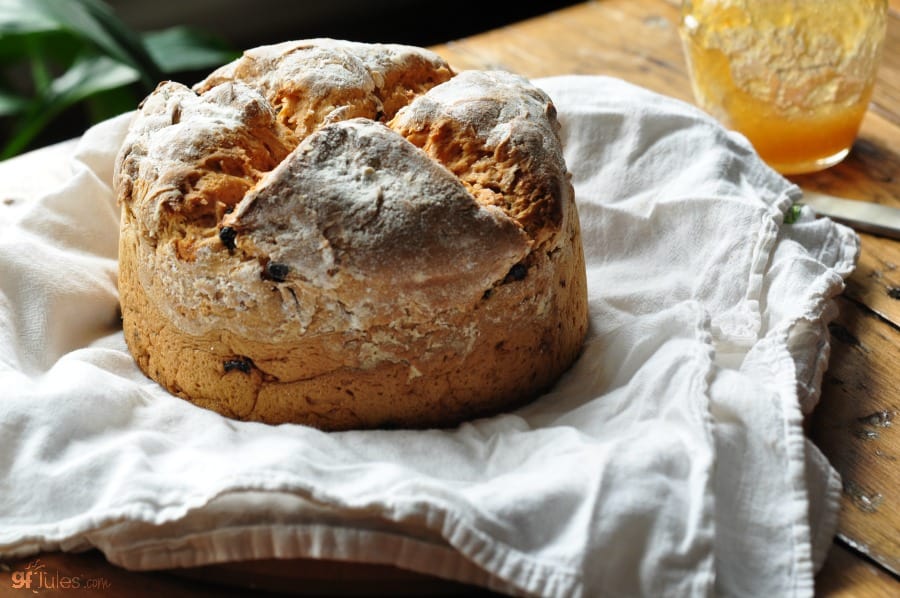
(350, 242)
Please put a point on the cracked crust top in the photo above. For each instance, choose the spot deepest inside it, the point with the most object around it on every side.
(317, 196)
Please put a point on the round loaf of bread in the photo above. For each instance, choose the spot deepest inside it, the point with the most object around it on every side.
(349, 235)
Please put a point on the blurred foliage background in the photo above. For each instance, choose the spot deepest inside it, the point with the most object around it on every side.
(66, 64)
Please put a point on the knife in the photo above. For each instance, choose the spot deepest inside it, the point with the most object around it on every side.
(861, 215)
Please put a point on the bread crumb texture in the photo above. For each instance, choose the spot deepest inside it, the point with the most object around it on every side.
(349, 235)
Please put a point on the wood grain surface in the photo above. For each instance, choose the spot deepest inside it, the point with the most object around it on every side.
(857, 424)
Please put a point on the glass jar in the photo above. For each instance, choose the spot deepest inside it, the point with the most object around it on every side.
(794, 76)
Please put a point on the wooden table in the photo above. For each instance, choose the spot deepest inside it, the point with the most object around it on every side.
(857, 423)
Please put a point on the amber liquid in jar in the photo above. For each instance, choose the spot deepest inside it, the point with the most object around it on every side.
(794, 76)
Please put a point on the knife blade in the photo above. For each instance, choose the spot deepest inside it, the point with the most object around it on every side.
(861, 215)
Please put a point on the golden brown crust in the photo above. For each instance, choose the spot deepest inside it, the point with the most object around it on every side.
(285, 257)
(315, 82)
(500, 137)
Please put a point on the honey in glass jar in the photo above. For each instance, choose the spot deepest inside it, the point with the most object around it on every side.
(794, 76)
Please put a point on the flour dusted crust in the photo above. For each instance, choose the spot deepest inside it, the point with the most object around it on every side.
(349, 235)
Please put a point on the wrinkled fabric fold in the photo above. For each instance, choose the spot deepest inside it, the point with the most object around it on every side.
(670, 460)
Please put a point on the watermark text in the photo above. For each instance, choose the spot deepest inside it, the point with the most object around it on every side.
(36, 576)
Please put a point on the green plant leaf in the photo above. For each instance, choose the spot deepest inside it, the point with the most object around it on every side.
(89, 75)
(110, 103)
(793, 213)
(126, 39)
(92, 20)
(185, 49)
(11, 104)
(25, 16)
(59, 47)
(99, 57)
(26, 128)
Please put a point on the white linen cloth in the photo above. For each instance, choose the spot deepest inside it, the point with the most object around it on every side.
(669, 461)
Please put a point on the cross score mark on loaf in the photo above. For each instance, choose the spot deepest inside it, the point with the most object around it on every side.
(341, 175)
